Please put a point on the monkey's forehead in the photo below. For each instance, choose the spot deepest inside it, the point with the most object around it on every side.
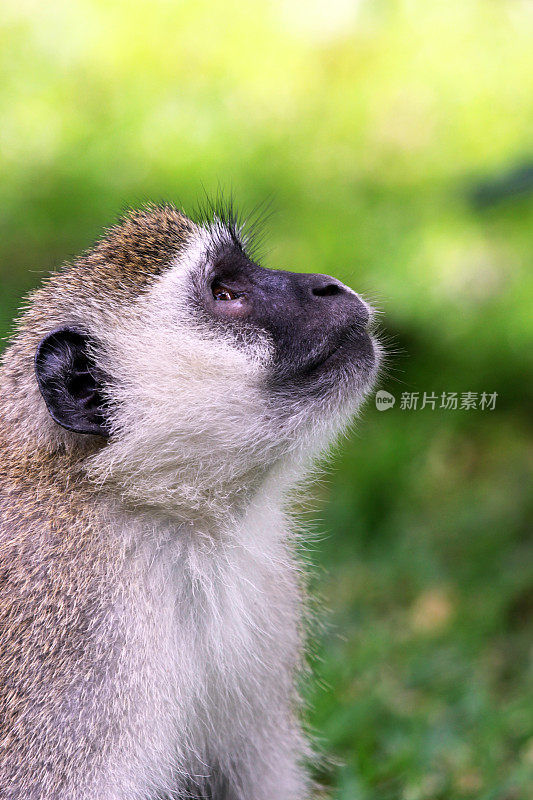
(138, 248)
(124, 262)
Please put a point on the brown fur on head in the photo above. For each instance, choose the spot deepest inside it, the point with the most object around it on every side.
(136, 249)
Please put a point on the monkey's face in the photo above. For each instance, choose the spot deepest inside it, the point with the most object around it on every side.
(317, 327)
(217, 371)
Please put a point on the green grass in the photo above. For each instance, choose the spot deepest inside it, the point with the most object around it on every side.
(368, 130)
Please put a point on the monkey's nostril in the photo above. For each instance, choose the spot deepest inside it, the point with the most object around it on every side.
(327, 290)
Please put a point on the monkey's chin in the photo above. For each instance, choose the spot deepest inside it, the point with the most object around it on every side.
(348, 370)
(336, 384)
(355, 351)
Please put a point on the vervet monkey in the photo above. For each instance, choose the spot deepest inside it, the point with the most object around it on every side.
(158, 400)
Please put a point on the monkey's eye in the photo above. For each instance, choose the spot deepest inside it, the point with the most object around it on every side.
(221, 292)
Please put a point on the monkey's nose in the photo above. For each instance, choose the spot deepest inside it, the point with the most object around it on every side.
(325, 289)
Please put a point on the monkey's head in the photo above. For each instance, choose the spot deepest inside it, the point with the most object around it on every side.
(180, 369)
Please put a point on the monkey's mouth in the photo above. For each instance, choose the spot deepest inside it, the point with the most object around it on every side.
(355, 344)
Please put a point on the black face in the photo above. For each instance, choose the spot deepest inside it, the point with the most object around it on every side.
(318, 325)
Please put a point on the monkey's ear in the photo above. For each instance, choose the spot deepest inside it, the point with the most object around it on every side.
(68, 381)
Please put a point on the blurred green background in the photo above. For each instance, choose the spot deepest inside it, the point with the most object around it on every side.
(395, 141)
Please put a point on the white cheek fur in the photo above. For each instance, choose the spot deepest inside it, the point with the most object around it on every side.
(187, 406)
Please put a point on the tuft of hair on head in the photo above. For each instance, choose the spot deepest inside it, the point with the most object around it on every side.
(246, 228)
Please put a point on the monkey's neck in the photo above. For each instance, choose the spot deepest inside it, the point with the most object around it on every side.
(206, 492)
(55, 481)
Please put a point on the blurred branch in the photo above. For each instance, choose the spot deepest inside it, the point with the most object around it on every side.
(510, 184)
